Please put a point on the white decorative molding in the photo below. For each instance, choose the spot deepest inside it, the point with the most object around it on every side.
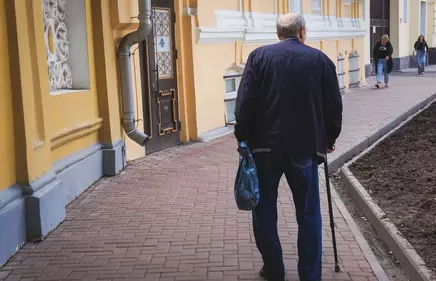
(190, 11)
(295, 6)
(260, 28)
(57, 44)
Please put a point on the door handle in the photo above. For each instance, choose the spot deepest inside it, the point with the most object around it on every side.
(156, 73)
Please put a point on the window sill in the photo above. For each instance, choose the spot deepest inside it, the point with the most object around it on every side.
(64, 92)
(231, 96)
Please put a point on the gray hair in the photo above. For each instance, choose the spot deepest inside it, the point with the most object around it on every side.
(290, 24)
(385, 37)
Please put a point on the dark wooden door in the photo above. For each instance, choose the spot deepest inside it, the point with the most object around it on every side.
(161, 112)
(379, 20)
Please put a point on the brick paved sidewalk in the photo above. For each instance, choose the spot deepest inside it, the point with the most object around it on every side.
(369, 109)
(171, 216)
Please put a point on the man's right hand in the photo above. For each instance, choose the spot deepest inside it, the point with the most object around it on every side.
(330, 150)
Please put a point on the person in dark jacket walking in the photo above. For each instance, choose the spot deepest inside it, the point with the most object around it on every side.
(288, 111)
(382, 55)
(421, 49)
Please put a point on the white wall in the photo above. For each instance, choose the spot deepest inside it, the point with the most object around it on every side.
(366, 14)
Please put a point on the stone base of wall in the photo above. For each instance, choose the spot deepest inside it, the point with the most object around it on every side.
(369, 70)
(215, 134)
(399, 63)
(114, 158)
(12, 221)
(404, 62)
(32, 211)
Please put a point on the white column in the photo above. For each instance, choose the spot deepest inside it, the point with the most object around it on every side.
(366, 23)
(295, 6)
(434, 25)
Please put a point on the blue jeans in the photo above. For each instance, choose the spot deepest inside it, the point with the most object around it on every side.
(382, 67)
(302, 175)
(421, 61)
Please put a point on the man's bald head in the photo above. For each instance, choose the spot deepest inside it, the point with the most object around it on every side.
(291, 25)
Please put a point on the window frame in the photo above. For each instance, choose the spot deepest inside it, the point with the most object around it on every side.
(76, 58)
(317, 11)
(231, 96)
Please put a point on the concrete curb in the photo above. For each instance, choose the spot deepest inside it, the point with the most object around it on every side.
(412, 263)
(361, 241)
(360, 146)
(409, 259)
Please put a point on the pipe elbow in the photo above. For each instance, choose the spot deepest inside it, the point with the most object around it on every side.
(134, 134)
(139, 137)
(127, 42)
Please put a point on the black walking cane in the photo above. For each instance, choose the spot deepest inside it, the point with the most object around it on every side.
(332, 221)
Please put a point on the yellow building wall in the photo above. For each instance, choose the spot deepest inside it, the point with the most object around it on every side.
(347, 12)
(263, 6)
(430, 24)
(414, 26)
(107, 71)
(7, 148)
(30, 95)
(52, 127)
(185, 38)
(77, 109)
(330, 48)
(206, 10)
(306, 7)
(209, 83)
(209, 70)
(245, 52)
(122, 12)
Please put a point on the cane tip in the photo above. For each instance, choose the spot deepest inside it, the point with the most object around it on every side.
(337, 268)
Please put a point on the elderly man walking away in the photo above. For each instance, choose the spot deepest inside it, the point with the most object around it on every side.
(289, 110)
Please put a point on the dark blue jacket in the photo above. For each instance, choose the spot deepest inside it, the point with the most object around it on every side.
(289, 100)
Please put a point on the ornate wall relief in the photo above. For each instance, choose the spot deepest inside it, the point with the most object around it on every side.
(57, 44)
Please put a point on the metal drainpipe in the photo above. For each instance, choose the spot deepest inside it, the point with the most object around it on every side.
(144, 29)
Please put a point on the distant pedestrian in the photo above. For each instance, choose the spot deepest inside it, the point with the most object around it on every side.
(382, 55)
(421, 49)
(289, 110)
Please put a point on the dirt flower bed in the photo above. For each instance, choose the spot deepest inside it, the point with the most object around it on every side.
(400, 175)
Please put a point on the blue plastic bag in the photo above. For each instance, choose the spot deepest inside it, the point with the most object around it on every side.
(247, 182)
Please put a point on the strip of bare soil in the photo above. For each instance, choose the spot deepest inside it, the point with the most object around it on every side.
(400, 175)
(386, 258)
